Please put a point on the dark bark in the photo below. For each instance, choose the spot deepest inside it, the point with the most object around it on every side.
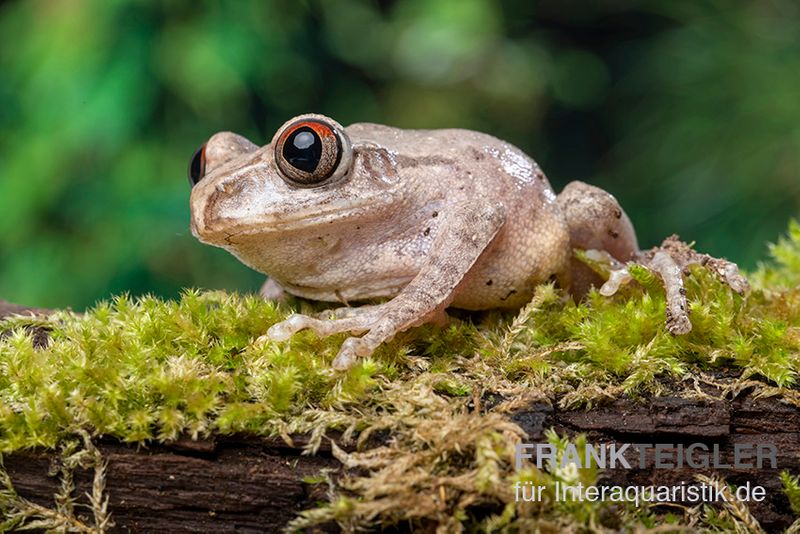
(242, 485)
(6, 308)
(254, 484)
(40, 335)
(675, 420)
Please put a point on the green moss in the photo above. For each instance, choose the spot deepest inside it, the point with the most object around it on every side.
(148, 369)
(784, 271)
(791, 486)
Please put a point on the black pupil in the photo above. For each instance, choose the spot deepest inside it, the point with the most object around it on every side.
(197, 166)
(303, 149)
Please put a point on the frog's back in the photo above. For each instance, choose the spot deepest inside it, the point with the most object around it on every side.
(445, 143)
(463, 166)
(481, 156)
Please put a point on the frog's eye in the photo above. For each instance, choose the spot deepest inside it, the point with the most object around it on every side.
(197, 165)
(311, 151)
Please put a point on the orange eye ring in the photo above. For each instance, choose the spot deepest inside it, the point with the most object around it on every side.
(310, 150)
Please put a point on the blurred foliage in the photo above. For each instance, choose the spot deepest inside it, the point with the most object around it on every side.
(687, 111)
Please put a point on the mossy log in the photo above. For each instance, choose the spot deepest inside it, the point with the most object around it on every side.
(248, 484)
(244, 483)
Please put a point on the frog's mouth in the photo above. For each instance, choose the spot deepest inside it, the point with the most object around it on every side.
(231, 231)
(238, 209)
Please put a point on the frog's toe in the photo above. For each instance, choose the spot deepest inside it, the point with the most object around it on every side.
(616, 279)
(343, 361)
(727, 272)
(679, 324)
(287, 328)
(368, 312)
(351, 350)
(667, 265)
(671, 274)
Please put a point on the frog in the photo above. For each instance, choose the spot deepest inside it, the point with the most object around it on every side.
(399, 225)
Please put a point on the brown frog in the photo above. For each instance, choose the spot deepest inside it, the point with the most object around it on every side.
(425, 218)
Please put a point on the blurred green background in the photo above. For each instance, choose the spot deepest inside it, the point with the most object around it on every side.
(689, 112)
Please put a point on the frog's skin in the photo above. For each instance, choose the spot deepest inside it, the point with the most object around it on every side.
(426, 218)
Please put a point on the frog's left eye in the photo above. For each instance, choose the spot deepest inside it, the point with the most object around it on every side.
(312, 151)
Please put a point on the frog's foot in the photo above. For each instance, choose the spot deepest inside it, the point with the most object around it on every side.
(671, 261)
(390, 321)
(351, 319)
(355, 320)
(378, 321)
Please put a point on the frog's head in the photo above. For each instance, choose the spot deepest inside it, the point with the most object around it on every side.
(309, 176)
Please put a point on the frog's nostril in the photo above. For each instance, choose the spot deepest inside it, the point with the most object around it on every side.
(197, 166)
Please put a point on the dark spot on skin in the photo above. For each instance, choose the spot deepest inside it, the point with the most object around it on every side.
(367, 164)
(617, 213)
(613, 233)
(489, 282)
(682, 291)
(477, 154)
(435, 214)
(509, 294)
(427, 231)
(358, 228)
(423, 161)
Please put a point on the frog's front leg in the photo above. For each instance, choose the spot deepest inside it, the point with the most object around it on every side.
(466, 231)
(272, 290)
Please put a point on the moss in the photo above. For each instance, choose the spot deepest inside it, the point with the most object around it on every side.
(791, 486)
(148, 369)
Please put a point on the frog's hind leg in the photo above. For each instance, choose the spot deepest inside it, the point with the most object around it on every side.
(598, 225)
(596, 221)
(671, 261)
